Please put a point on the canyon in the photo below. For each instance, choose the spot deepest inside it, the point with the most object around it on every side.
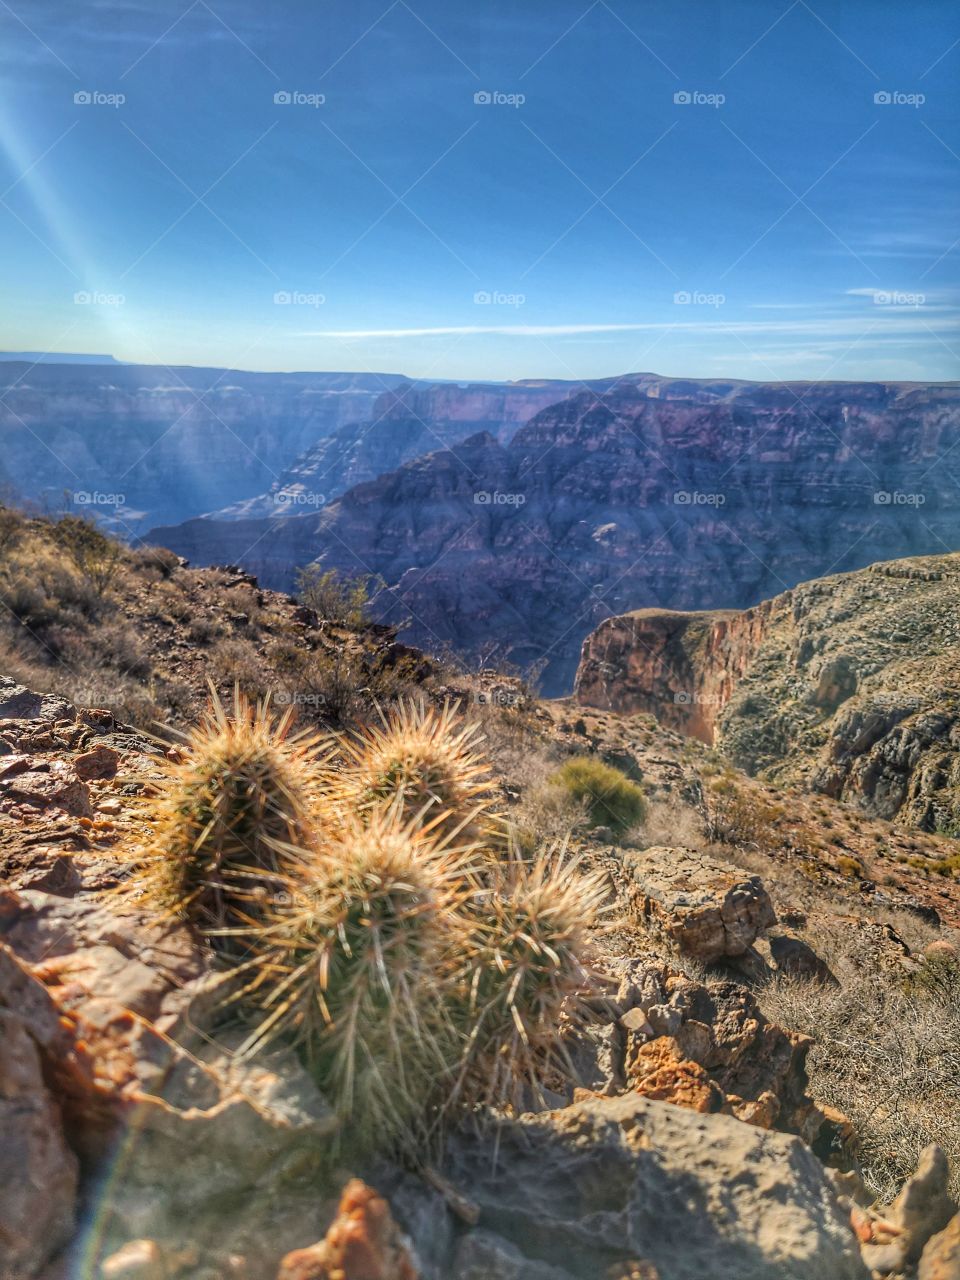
(642, 492)
(170, 442)
(173, 443)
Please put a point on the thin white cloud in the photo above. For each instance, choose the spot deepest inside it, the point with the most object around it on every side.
(891, 319)
(513, 330)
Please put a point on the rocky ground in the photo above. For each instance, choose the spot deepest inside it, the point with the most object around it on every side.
(687, 1143)
(768, 1087)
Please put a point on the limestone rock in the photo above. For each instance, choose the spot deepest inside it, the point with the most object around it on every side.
(38, 1171)
(921, 1210)
(706, 909)
(608, 1181)
(941, 1257)
(482, 1255)
(136, 1260)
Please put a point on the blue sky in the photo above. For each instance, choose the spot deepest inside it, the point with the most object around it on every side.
(578, 220)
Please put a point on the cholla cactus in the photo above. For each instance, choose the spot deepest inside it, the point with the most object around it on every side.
(361, 965)
(530, 974)
(232, 816)
(427, 762)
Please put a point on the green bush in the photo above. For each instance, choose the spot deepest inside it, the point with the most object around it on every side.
(607, 795)
(345, 601)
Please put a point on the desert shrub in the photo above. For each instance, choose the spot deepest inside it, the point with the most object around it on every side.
(886, 1053)
(203, 630)
(335, 598)
(743, 816)
(10, 525)
(232, 817)
(236, 661)
(608, 797)
(156, 560)
(97, 556)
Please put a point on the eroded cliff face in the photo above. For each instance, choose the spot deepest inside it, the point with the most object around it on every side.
(848, 685)
(681, 668)
(172, 442)
(406, 422)
(627, 498)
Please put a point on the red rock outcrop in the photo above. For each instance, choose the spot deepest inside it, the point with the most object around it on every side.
(845, 684)
(679, 667)
(363, 1243)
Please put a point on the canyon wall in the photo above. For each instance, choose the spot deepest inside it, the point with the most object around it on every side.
(172, 442)
(847, 685)
(623, 498)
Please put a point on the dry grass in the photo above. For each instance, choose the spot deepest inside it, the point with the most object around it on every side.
(886, 1052)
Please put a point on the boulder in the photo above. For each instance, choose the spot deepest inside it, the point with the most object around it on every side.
(608, 1182)
(896, 1238)
(38, 1171)
(941, 1257)
(99, 762)
(706, 909)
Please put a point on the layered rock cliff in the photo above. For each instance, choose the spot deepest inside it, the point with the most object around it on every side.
(647, 493)
(849, 685)
(171, 442)
(406, 422)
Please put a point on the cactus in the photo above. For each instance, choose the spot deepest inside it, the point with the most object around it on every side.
(529, 976)
(232, 815)
(362, 966)
(426, 761)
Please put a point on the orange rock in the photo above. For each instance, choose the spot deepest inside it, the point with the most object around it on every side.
(363, 1243)
(659, 1070)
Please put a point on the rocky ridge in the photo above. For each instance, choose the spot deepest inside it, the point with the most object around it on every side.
(406, 422)
(847, 685)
